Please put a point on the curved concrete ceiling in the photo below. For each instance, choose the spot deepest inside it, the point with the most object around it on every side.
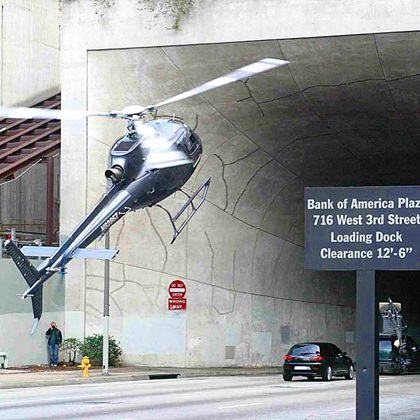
(344, 112)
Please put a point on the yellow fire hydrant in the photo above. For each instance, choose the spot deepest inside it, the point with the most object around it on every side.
(85, 365)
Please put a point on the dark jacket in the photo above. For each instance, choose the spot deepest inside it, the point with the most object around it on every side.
(54, 336)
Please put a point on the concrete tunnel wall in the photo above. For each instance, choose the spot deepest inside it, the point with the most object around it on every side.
(17, 319)
(29, 73)
(340, 114)
(29, 51)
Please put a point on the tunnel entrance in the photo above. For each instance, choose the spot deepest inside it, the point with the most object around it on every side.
(345, 112)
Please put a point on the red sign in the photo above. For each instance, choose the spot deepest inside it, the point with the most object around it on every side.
(177, 304)
(177, 289)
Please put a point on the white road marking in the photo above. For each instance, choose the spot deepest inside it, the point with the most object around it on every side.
(347, 409)
(241, 405)
(188, 396)
(55, 399)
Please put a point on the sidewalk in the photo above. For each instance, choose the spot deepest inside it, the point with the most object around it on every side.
(26, 379)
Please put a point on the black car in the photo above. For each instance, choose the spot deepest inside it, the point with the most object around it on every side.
(391, 361)
(317, 359)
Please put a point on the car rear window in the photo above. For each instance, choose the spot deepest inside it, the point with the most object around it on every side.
(304, 349)
(385, 349)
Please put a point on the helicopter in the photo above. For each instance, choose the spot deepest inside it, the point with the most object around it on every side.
(152, 161)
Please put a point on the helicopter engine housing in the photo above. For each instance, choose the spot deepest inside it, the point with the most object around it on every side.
(114, 174)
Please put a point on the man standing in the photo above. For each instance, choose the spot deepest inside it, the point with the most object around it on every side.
(54, 341)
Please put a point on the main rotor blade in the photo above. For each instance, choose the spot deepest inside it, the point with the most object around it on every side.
(47, 114)
(244, 72)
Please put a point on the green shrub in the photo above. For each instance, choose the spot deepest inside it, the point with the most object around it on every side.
(72, 347)
(92, 347)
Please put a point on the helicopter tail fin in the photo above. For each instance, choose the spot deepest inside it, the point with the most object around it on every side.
(31, 275)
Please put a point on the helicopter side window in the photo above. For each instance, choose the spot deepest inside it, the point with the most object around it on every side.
(190, 143)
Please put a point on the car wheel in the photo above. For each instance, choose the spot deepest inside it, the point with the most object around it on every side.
(327, 376)
(350, 372)
(311, 378)
(287, 377)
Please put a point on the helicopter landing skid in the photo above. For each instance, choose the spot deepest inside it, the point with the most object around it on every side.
(190, 202)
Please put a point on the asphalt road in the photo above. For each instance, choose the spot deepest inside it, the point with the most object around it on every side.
(239, 397)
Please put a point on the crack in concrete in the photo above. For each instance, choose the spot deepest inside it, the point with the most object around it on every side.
(118, 288)
(234, 270)
(304, 90)
(292, 226)
(399, 113)
(196, 123)
(161, 240)
(227, 312)
(254, 248)
(249, 182)
(125, 282)
(275, 265)
(244, 157)
(117, 242)
(274, 199)
(318, 116)
(198, 171)
(251, 96)
(215, 109)
(223, 174)
(234, 291)
(94, 312)
(230, 289)
(95, 289)
(98, 141)
(397, 79)
(300, 91)
(212, 256)
(224, 181)
(255, 227)
(297, 139)
(331, 133)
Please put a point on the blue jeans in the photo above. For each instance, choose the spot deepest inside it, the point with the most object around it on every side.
(53, 353)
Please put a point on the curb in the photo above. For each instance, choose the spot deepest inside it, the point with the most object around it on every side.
(153, 374)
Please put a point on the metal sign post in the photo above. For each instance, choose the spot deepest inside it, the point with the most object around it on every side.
(363, 229)
(367, 367)
(105, 339)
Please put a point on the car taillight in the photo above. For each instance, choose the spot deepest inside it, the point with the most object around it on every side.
(316, 358)
(288, 358)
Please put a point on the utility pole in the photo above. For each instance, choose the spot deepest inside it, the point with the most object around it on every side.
(105, 343)
(49, 231)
